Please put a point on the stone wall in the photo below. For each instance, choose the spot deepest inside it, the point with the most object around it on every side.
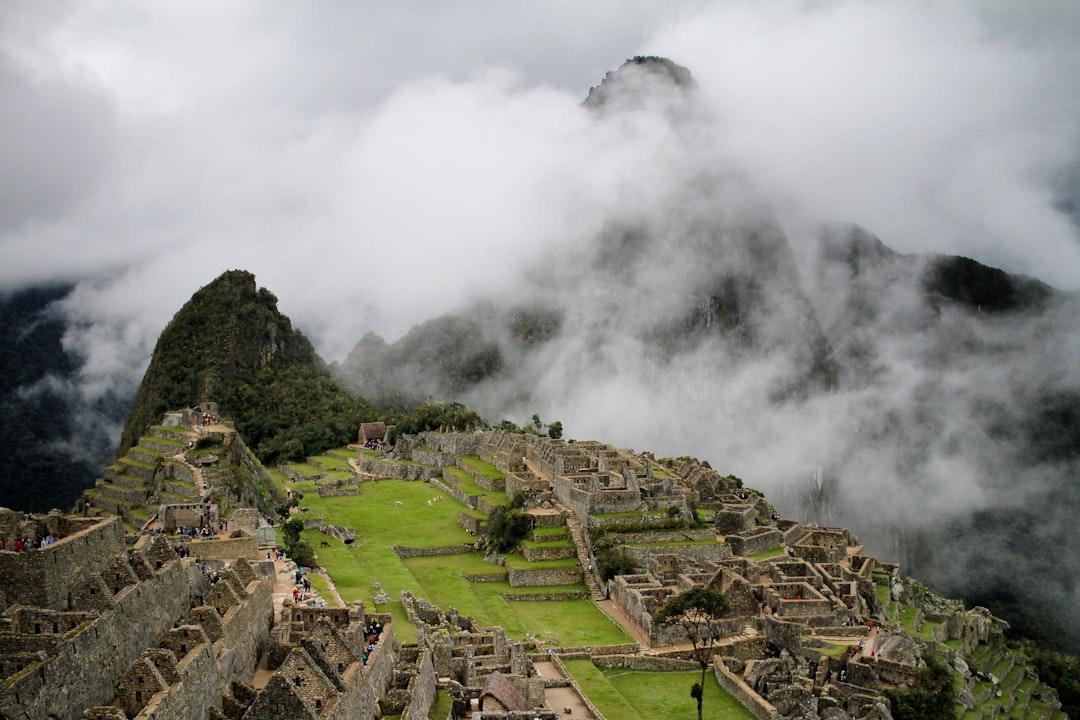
(89, 663)
(451, 443)
(193, 695)
(45, 577)
(644, 662)
(411, 552)
(757, 705)
(389, 469)
(247, 631)
(660, 536)
(422, 689)
(523, 597)
(755, 541)
(470, 523)
(537, 553)
(696, 555)
(545, 576)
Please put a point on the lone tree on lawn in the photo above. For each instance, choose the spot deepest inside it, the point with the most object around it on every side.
(698, 612)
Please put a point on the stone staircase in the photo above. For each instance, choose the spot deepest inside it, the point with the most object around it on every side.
(151, 472)
(578, 534)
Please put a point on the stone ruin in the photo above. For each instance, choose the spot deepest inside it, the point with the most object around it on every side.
(88, 621)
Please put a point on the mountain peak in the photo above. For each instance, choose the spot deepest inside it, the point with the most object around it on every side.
(224, 335)
(640, 81)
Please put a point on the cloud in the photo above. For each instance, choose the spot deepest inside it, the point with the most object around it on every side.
(379, 164)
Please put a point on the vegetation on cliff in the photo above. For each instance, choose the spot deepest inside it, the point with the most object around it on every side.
(230, 344)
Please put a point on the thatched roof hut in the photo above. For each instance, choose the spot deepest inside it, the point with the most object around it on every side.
(498, 689)
(372, 431)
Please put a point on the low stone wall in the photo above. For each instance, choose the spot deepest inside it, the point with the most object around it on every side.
(388, 469)
(485, 505)
(473, 525)
(644, 662)
(491, 577)
(572, 595)
(546, 576)
(662, 536)
(411, 552)
(537, 553)
(692, 554)
(761, 708)
(456, 443)
(786, 635)
(556, 520)
(897, 673)
(755, 541)
(338, 491)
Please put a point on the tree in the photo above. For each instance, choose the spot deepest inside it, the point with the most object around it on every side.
(291, 532)
(555, 430)
(505, 528)
(698, 611)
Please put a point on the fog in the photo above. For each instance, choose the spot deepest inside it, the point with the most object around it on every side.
(378, 165)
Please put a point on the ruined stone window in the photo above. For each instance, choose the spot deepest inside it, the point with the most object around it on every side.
(318, 704)
(56, 627)
(183, 649)
(37, 628)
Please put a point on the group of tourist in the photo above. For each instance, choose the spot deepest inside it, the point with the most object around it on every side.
(27, 543)
(371, 639)
(195, 533)
(374, 444)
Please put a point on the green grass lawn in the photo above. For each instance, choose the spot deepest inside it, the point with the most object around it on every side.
(485, 468)
(330, 462)
(379, 523)
(305, 469)
(765, 555)
(634, 695)
(468, 486)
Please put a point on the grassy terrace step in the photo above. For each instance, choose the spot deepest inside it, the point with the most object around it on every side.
(343, 453)
(1003, 666)
(167, 431)
(549, 534)
(330, 462)
(467, 485)
(675, 543)
(548, 543)
(518, 562)
(135, 462)
(484, 468)
(126, 481)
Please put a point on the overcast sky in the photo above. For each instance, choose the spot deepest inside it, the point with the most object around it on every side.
(375, 163)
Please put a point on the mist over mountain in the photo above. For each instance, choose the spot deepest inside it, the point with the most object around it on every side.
(56, 438)
(651, 270)
(929, 402)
